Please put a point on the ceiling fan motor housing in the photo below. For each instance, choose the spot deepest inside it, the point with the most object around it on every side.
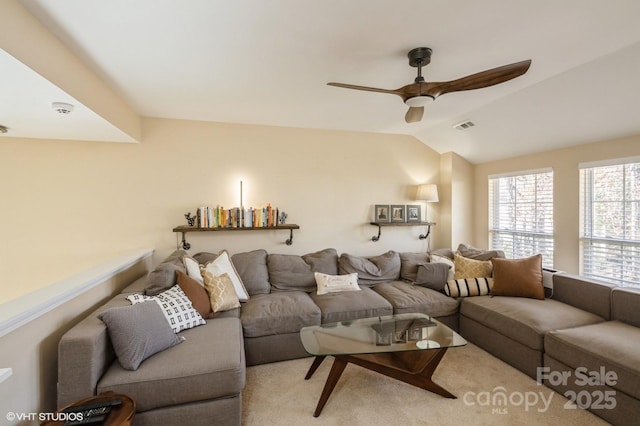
(419, 57)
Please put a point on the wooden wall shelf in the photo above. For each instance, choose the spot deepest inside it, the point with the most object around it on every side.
(380, 225)
(185, 228)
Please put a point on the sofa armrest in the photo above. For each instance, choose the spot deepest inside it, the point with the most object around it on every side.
(624, 305)
(84, 354)
(583, 293)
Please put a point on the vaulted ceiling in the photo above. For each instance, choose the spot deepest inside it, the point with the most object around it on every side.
(268, 62)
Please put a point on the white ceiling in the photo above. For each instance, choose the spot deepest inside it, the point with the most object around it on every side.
(268, 62)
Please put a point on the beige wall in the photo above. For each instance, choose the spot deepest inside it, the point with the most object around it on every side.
(456, 201)
(564, 163)
(70, 205)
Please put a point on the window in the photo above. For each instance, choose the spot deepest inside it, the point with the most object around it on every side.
(521, 215)
(610, 222)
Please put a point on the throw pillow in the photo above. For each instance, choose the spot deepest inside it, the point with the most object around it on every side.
(222, 294)
(196, 294)
(518, 277)
(137, 332)
(222, 264)
(436, 258)
(432, 275)
(176, 307)
(252, 269)
(469, 268)
(336, 283)
(464, 287)
(409, 263)
(193, 269)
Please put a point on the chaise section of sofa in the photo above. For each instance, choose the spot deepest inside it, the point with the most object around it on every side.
(600, 363)
(513, 328)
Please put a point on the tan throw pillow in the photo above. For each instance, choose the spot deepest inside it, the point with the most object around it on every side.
(469, 268)
(222, 294)
(518, 277)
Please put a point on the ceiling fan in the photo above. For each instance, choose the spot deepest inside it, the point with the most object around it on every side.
(419, 93)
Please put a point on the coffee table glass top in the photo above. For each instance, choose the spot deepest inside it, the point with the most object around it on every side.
(393, 333)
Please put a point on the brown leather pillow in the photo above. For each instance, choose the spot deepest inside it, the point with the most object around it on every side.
(196, 293)
(518, 277)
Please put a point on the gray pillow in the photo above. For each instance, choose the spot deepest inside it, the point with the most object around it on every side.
(432, 275)
(163, 277)
(471, 252)
(289, 272)
(409, 263)
(137, 332)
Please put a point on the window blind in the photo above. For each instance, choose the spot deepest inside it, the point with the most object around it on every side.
(610, 223)
(521, 215)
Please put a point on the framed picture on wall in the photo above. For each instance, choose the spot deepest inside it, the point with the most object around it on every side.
(398, 213)
(414, 213)
(381, 213)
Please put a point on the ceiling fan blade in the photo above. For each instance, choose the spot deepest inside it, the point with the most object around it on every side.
(365, 88)
(414, 114)
(479, 80)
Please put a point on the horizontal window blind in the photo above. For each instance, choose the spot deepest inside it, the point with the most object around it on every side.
(521, 215)
(610, 223)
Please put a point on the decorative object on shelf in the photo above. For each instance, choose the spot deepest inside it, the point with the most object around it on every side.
(398, 213)
(421, 236)
(282, 218)
(184, 229)
(414, 213)
(381, 213)
(427, 193)
(191, 220)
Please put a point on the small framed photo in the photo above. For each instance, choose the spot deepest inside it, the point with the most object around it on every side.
(414, 213)
(382, 213)
(398, 213)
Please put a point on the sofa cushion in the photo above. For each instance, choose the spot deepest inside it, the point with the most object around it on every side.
(625, 303)
(209, 364)
(518, 277)
(278, 313)
(409, 263)
(583, 293)
(524, 320)
(471, 252)
(613, 345)
(407, 298)
(163, 276)
(351, 305)
(137, 332)
(371, 270)
(252, 268)
(204, 257)
(290, 272)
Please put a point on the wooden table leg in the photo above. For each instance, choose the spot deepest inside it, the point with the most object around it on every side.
(334, 375)
(314, 366)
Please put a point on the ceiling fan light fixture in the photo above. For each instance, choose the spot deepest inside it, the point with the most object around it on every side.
(419, 101)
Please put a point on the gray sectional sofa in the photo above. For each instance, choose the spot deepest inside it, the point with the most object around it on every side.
(201, 380)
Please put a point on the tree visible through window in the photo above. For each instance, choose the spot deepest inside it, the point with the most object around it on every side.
(610, 223)
(521, 215)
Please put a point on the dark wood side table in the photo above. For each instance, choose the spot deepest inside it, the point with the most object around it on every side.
(119, 415)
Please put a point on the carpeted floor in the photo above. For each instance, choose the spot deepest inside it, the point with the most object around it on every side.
(277, 394)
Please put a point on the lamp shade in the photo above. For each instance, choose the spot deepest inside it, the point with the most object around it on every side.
(427, 192)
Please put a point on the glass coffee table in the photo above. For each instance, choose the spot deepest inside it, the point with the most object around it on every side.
(406, 347)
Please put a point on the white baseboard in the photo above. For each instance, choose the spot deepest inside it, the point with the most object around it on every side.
(18, 312)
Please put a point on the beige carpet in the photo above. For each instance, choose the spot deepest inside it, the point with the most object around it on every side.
(277, 394)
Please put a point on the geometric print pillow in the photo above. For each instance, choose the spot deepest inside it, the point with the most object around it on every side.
(470, 268)
(176, 307)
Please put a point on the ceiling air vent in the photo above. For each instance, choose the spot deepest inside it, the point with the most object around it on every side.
(463, 125)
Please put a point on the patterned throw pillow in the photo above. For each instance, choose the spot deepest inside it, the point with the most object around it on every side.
(222, 293)
(469, 268)
(336, 283)
(464, 287)
(176, 307)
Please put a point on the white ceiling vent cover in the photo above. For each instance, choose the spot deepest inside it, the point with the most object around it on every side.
(463, 125)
